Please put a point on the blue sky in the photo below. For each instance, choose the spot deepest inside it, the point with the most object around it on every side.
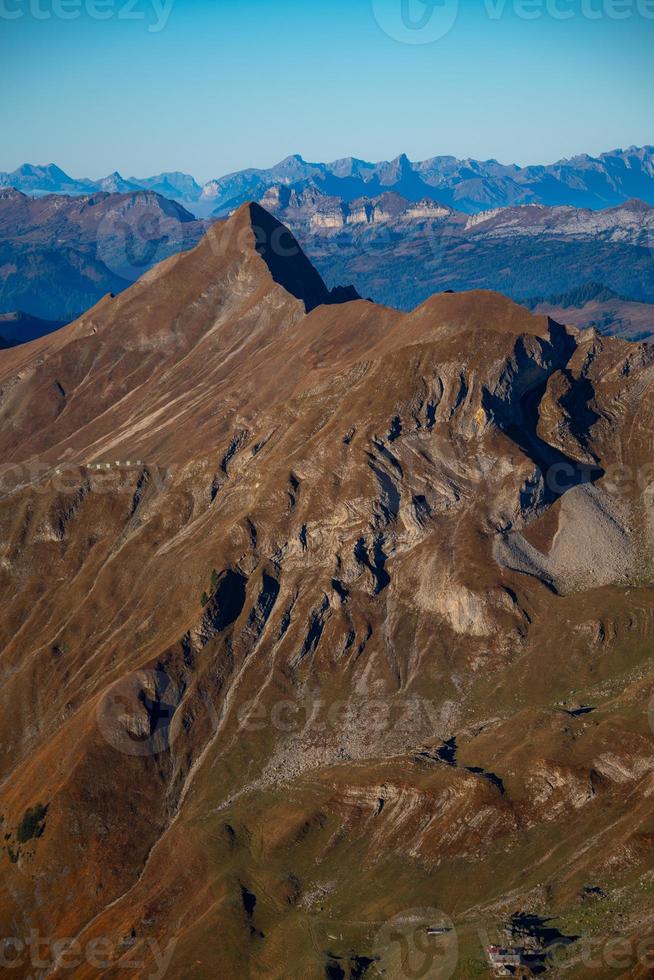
(210, 86)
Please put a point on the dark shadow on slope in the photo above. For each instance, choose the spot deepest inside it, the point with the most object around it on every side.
(264, 605)
(249, 900)
(316, 626)
(228, 600)
(519, 420)
(577, 403)
(560, 472)
(375, 563)
(539, 940)
(447, 754)
(288, 264)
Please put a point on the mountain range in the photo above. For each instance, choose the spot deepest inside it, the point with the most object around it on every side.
(399, 252)
(51, 179)
(98, 231)
(467, 185)
(327, 631)
(60, 254)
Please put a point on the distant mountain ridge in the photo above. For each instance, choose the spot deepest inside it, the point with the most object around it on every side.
(595, 305)
(37, 181)
(399, 252)
(469, 185)
(19, 328)
(632, 220)
(59, 254)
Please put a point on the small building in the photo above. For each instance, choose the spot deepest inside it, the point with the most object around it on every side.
(507, 961)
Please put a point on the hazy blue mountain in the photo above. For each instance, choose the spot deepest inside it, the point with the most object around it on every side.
(467, 185)
(173, 184)
(50, 179)
(47, 179)
(115, 184)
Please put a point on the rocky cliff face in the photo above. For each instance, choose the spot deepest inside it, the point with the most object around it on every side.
(632, 222)
(316, 612)
(398, 252)
(314, 210)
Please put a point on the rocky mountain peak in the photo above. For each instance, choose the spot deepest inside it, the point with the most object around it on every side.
(354, 585)
(282, 255)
